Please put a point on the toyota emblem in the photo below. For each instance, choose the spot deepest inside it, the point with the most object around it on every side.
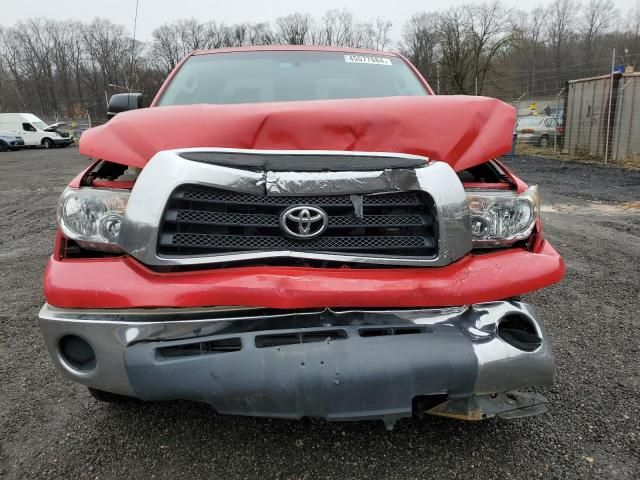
(303, 222)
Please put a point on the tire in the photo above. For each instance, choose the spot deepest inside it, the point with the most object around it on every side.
(47, 143)
(109, 397)
(544, 141)
(3, 147)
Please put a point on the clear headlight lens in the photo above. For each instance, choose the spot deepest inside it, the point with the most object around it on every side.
(92, 216)
(502, 218)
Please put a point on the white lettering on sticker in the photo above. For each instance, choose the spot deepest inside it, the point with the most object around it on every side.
(367, 59)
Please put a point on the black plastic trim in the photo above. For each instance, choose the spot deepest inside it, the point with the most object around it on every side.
(303, 163)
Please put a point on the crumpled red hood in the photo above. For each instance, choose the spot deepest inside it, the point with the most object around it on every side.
(462, 131)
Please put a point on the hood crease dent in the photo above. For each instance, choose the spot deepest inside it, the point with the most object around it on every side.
(462, 131)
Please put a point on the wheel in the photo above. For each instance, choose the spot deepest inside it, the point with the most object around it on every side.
(109, 397)
(3, 147)
(544, 141)
(47, 143)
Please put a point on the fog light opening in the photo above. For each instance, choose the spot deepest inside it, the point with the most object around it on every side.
(77, 353)
(520, 332)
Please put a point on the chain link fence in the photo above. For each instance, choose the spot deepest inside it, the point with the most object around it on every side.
(595, 118)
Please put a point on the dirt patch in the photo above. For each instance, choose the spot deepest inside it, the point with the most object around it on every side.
(590, 207)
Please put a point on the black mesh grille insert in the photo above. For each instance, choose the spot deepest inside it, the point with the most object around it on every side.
(204, 220)
(292, 338)
(201, 348)
(385, 331)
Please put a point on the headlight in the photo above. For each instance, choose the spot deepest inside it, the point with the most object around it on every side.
(92, 216)
(502, 218)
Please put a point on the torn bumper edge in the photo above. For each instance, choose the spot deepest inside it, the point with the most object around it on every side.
(458, 352)
(477, 279)
(505, 405)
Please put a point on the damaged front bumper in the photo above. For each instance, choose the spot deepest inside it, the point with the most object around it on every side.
(62, 141)
(334, 364)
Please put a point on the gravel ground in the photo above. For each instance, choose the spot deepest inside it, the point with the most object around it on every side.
(51, 428)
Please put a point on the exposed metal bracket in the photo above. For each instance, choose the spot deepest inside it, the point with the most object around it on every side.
(503, 405)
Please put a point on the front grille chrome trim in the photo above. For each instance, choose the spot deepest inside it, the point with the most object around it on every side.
(166, 171)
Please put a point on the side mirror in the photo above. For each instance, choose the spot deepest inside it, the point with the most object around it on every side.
(121, 102)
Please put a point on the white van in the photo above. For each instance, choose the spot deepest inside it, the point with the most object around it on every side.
(33, 130)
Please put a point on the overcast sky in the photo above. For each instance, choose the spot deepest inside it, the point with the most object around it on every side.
(153, 13)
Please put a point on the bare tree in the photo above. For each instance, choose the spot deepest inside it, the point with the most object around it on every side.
(165, 50)
(633, 27)
(260, 34)
(376, 36)
(35, 55)
(597, 19)
(362, 36)
(174, 41)
(12, 85)
(108, 50)
(560, 27)
(218, 35)
(336, 28)
(55, 68)
(456, 48)
(633, 22)
(529, 38)
(294, 29)
(491, 31)
(238, 35)
(420, 42)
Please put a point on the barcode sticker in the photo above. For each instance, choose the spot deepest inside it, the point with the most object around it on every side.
(367, 59)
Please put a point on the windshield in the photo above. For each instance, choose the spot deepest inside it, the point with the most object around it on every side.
(252, 77)
(39, 125)
(529, 121)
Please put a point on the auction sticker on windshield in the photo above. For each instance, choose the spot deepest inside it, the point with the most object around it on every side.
(367, 59)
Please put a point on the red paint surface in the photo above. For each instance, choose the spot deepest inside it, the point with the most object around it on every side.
(77, 180)
(117, 184)
(462, 131)
(520, 185)
(488, 185)
(124, 283)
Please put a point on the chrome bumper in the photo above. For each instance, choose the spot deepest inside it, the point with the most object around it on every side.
(453, 351)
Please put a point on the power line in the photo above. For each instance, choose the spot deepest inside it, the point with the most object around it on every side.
(133, 46)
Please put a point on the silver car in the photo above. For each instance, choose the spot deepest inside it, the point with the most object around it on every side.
(10, 141)
(538, 130)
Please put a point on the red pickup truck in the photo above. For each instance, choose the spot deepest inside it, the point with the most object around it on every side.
(302, 232)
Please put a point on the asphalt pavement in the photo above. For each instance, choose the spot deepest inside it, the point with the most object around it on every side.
(51, 427)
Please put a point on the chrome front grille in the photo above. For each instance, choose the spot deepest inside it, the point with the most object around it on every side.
(183, 212)
(202, 220)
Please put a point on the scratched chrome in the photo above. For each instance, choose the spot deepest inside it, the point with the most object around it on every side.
(167, 170)
(501, 366)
